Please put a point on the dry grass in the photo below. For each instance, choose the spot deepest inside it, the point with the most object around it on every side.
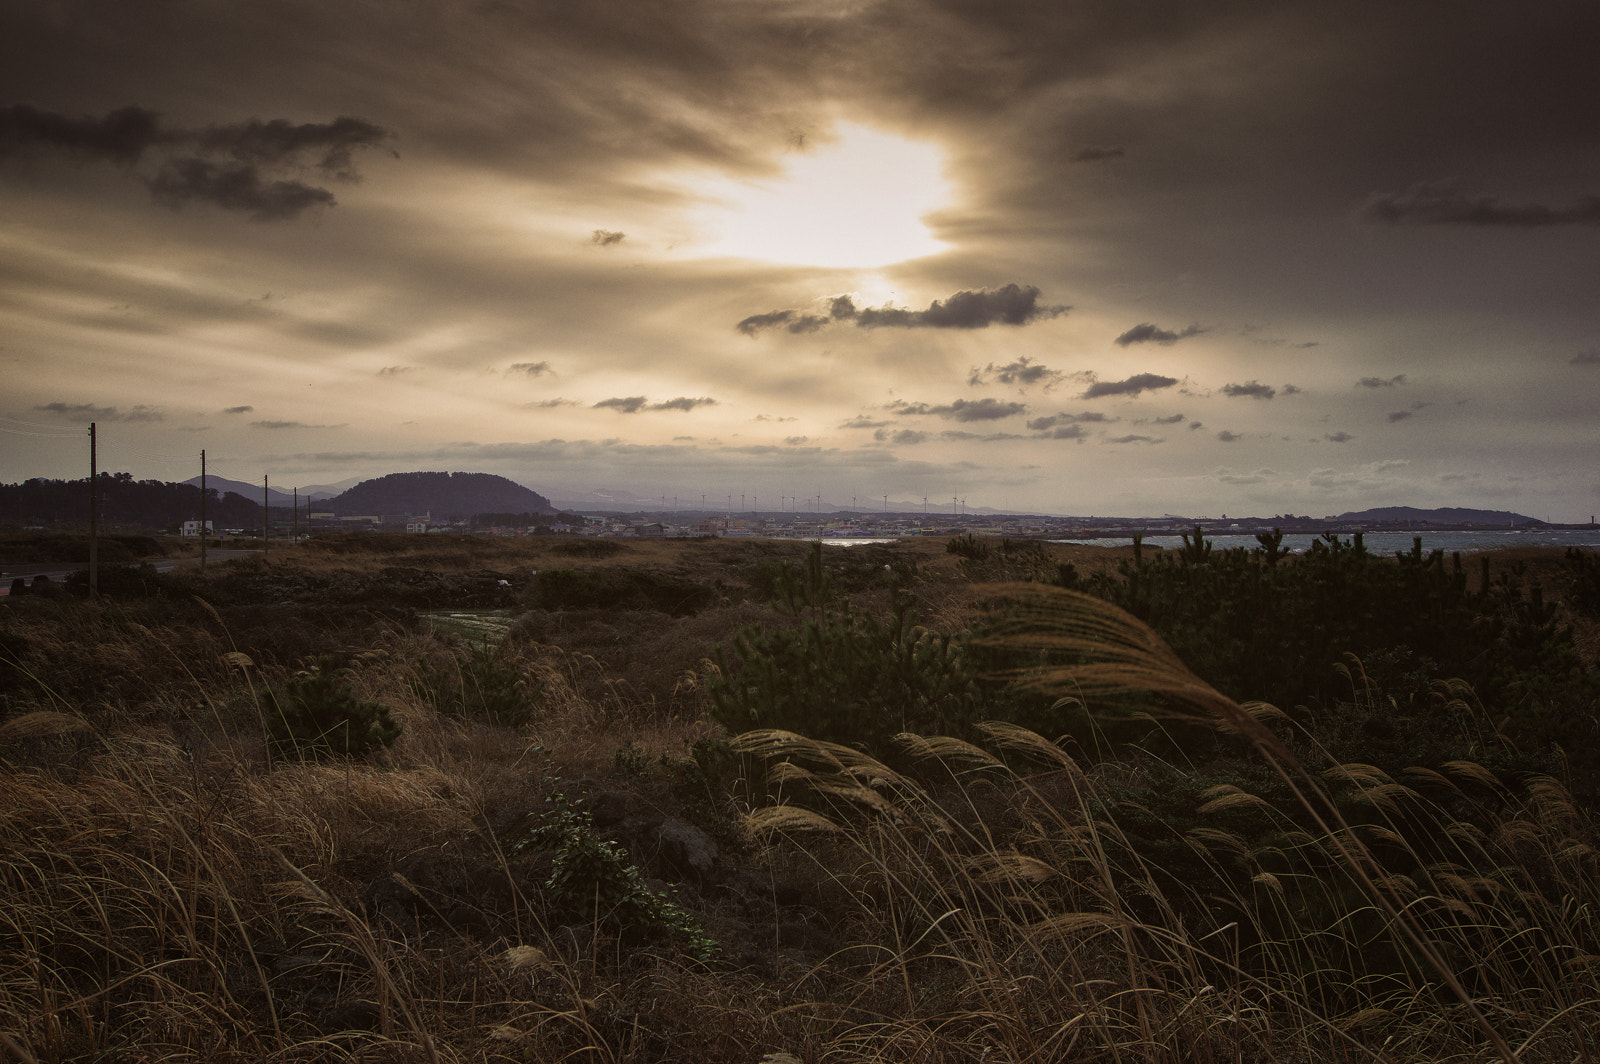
(169, 891)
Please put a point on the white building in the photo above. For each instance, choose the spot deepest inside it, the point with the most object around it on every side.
(192, 528)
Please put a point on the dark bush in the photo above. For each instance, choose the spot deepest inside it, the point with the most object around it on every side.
(316, 715)
(620, 589)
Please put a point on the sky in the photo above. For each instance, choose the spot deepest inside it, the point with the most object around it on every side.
(1077, 257)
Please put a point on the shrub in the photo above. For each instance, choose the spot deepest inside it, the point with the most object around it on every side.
(316, 715)
(620, 589)
(845, 677)
(480, 682)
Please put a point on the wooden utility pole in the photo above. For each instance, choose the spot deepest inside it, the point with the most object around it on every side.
(266, 525)
(94, 518)
(202, 508)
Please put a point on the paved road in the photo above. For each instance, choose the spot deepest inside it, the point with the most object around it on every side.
(58, 572)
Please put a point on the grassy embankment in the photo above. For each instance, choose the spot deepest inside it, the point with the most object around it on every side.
(1156, 871)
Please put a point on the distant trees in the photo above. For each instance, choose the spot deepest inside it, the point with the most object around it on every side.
(124, 502)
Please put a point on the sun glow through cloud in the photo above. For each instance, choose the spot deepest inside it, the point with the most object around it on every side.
(857, 202)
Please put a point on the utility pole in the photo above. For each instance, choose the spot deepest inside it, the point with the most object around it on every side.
(94, 518)
(266, 526)
(202, 509)
(294, 517)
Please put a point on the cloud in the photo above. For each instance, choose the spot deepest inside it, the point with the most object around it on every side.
(1024, 372)
(1290, 389)
(245, 168)
(963, 409)
(1048, 421)
(548, 404)
(634, 403)
(796, 441)
(102, 413)
(1381, 382)
(1146, 333)
(906, 436)
(1133, 386)
(683, 402)
(1448, 203)
(1097, 154)
(121, 136)
(1585, 358)
(1175, 419)
(239, 410)
(1135, 439)
(607, 237)
(1063, 432)
(395, 371)
(234, 188)
(291, 425)
(530, 369)
(1399, 415)
(1338, 437)
(1228, 437)
(863, 422)
(1250, 389)
(326, 146)
(1010, 305)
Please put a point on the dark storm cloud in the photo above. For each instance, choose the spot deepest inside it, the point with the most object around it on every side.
(1133, 386)
(963, 409)
(1022, 373)
(121, 136)
(102, 413)
(606, 237)
(234, 188)
(1146, 333)
(1381, 382)
(631, 405)
(1095, 155)
(1249, 390)
(529, 369)
(257, 158)
(327, 146)
(1448, 203)
(1011, 305)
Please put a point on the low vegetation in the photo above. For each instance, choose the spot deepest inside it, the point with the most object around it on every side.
(439, 799)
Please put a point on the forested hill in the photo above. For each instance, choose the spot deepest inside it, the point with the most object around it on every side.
(1448, 515)
(439, 494)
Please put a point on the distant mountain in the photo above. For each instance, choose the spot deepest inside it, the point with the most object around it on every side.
(442, 495)
(275, 496)
(1448, 515)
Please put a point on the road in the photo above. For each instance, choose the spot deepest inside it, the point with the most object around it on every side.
(58, 572)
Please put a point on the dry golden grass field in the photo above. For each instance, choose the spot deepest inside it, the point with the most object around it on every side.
(440, 799)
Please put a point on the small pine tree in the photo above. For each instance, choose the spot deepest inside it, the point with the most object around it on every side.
(315, 714)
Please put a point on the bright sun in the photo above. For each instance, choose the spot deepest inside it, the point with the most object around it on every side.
(857, 202)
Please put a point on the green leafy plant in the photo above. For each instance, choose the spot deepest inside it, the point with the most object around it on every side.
(592, 880)
(315, 714)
